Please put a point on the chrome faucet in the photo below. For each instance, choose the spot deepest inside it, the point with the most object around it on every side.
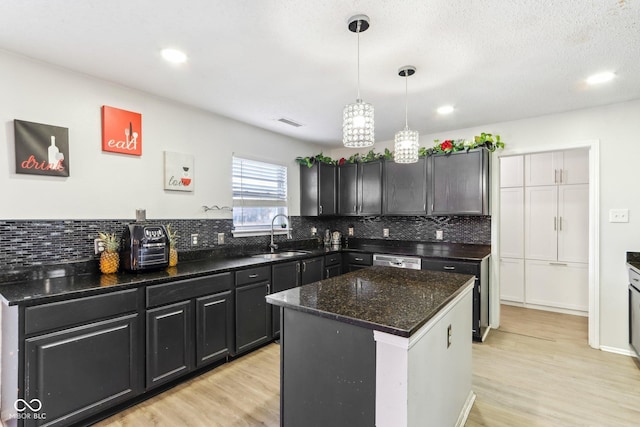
(272, 245)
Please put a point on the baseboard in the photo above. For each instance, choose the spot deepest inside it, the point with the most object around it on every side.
(616, 350)
(466, 409)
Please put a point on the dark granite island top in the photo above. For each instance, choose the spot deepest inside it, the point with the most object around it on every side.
(391, 300)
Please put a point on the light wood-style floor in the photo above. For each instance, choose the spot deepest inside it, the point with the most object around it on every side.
(536, 370)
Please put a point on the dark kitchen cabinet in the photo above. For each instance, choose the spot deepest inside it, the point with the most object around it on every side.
(405, 188)
(480, 269)
(169, 342)
(459, 183)
(86, 358)
(318, 189)
(357, 261)
(283, 276)
(311, 270)
(214, 327)
(253, 314)
(332, 265)
(189, 325)
(360, 188)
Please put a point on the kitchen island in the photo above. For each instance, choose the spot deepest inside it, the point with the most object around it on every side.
(377, 347)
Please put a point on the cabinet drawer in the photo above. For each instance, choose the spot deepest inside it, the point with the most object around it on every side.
(333, 259)
(452, 266)
(253, 275)
(167, 293)
(63, 314)
(359, 258)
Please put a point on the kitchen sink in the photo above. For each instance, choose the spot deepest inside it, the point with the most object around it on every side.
(277, 255)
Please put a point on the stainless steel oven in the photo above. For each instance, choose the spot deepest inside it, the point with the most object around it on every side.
(397, 261)
(634, 310)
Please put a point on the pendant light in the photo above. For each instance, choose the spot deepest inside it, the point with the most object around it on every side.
(357, 118)
(406, 141)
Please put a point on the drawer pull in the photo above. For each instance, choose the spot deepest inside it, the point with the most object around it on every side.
(635, 280)
(562, 264)
(359, 259)
(448, 267)
(253, 276)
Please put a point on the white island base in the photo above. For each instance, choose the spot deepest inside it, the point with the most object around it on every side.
(423, 380)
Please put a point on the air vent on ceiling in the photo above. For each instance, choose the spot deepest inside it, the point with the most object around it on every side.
(289, 122)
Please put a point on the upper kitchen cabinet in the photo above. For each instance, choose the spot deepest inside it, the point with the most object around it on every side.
(557, 167)
(404, 190)
(459, 183)
(318, 190)
(511, 171)
(360, 188)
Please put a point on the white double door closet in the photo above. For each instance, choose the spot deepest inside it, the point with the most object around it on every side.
(544, 230)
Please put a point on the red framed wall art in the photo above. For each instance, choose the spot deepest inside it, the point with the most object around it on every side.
(121, 131)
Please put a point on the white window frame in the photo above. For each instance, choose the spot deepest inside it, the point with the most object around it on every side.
(258, 196)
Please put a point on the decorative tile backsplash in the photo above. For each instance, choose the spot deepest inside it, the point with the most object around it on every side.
(25, 243)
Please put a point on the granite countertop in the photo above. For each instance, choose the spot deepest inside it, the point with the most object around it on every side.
(387, 299)
(458, 251)
(51, 283)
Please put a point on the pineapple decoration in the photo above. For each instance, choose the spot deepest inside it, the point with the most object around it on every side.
(173, 253)
(110, 258)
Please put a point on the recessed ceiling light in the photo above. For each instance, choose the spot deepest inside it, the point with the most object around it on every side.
(445, 109)
(600, 78)
(174, 56)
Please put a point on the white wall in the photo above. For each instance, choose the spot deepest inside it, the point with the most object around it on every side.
(617, 127)
(111, 186)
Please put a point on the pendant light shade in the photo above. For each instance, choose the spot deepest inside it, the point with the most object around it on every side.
(357, 118)
(406, 146)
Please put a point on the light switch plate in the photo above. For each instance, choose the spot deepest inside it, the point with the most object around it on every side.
(618, 215)
(385, 232)
(221, 238)
(439, 235)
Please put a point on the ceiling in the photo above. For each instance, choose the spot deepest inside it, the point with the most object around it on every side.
(262, 60)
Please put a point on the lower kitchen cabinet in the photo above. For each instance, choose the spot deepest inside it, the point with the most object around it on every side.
(311, 270)
(214, 327)
(253, 313)
(480, 269)
(557, 285)
(357, 260)
(169, 342)
(332, 265)
(512, 280)
(189, 324)
(86, 358)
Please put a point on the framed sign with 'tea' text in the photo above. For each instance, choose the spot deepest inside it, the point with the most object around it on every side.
(121, 131)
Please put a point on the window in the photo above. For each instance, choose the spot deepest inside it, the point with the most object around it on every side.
(259, 193)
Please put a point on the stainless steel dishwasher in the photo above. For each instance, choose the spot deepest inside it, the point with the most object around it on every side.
(397, 261)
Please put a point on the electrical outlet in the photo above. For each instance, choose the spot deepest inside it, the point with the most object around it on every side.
(351, 231)
(221, 238)
(618, 215)
(194, 240)
(98, 246)
(314, 231)
(385, 232)
(439, 235)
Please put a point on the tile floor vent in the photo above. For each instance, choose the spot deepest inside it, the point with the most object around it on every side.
(289, 122)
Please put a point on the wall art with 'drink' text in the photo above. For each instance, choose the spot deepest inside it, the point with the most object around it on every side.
(121, 131)
(178, 171)
(41, 149)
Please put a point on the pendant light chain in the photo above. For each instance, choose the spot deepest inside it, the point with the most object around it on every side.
(358, 33)
(406, 100)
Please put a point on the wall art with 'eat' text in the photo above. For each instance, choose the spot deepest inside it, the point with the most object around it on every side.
(178, 171)
(121, 131)
(41, 149)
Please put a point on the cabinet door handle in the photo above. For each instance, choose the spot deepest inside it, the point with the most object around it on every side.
(355, 208)
(326, 273)
(304, 266)
(320, 208)
(555, 176)
(298, 268)
(561, 180)
(635, 280)
(560, 264)
(268, 288)
(253, 276)
(560, 227)
(555, 223)
(449, 267)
